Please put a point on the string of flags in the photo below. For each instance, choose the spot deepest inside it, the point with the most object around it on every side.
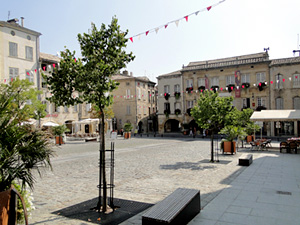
(164, 26)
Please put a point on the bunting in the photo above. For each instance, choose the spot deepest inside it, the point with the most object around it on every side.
(186, 18)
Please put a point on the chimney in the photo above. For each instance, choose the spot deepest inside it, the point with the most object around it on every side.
(125, 72)
(131, 74)
(22, 21)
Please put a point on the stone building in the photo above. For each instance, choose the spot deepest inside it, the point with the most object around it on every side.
(246, 78)
(135, 103)
(19, 52)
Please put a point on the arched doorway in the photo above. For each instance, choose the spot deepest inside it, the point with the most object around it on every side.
(69, 125)
(172, 125)
(87, 128)
(140, 127)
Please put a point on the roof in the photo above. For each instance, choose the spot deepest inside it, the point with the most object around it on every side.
(49, 57)
(16, 26)
(172, 74)
(128, 77)
(293, 60)
(276, 115)
(230, 61)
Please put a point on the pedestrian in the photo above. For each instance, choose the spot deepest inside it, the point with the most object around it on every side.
(194, 134)
(191, 132)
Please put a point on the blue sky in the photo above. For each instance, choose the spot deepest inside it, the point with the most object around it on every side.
(234, 27)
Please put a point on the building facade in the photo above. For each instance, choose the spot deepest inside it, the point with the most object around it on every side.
(253, 80)
(135, 103)
(19, 52)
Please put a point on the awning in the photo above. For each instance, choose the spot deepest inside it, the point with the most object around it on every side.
(276, 115)
(86, 121)
(50, 124)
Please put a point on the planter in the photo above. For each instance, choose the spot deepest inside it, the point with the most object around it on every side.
(229, 146)
(59, 140)
(127, 135)
(249, 138)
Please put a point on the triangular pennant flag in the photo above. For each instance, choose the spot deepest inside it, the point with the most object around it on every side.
(271, 82)
(208, 8)
(35, 70)
(131, 39)
(196, 13)
(75, 60)
(156, 29)
(166, 26)
(177, 22)
(283, 80)
(186, 18)
(139, 37)
(44, 68)
(53, 65)
(147, 32)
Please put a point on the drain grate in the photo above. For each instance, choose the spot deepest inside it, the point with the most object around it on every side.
(284, 192)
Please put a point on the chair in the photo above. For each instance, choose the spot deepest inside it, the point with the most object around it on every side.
(253, 145)
(268, 143)
(293, 146)
(285, 145)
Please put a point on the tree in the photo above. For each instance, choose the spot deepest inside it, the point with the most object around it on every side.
(22, 148)
(103, 55)
(210, 112)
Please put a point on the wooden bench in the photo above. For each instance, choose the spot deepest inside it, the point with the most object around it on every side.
(180, 207)
(245, 160)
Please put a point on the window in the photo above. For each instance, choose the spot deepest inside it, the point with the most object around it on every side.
(139, 93)
(190, 104)
(149, 97)
(177, 105)
(29, 53)
(139, 110)
(44, 83)
(127, 94)
(278, 81)
(296, 102)
(13, 49)
(230, 80)
(88, 107)
(66, 109)
(29, 76)
(246, 103)
(260, 78)
(167, 106)
(260, 101)
(128, 110)
(75, 109)
(167, 89)
(245, 78)
(57, 108)
(296, 80)
(176, 88)
(201, 82)
(279, 103)
(13, 73)
(214, 81)
(189, 83)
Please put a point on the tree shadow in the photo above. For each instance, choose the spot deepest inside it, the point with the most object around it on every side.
(187, 166)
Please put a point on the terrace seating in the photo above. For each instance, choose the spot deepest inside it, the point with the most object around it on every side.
(286, 146)
(293, 146)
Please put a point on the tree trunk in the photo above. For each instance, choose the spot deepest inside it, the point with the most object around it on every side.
(102, 175)
(212, 145)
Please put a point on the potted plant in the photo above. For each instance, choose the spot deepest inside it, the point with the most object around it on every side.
(228, 144)
(58, 131)
(167, 95)
(167, 112)
(231, 87)
(127, 128)
(250, 129)
(189, 89)
(201, 88)
(177, 112)
(177, 95)
(245, 85)
(261, 86)
(214, 88)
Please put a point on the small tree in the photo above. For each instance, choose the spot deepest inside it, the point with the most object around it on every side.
(103, 55)
(210, 112)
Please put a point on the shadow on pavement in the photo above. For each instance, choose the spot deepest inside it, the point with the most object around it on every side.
(124, 210)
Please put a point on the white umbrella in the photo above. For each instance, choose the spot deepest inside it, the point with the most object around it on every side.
(87, 121)
(50, 124)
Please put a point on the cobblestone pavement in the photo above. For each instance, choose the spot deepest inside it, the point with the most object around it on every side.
(146, 170)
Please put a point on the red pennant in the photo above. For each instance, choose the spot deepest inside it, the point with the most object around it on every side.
(296, 77)
(4, 80)
(221, 89)
(131, 39)
(12, 79)
(231, 88)
(283, 79)
(186, 18)
(166, 26)
(44, 68)
(35, 70)
(53, 65)
(259, 84)
(75, 60)
(271, 82)
(147, 32)
(243, 86)
(208, 8)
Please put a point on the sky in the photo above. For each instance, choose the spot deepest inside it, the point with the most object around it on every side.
(231, 28)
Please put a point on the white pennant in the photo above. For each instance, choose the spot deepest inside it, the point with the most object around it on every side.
(177, 22)
(156, 30)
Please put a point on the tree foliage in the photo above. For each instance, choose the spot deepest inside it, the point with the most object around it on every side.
(22, 148)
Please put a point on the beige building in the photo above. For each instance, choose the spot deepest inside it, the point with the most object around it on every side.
(135, 103)
(246, 78)
(19, 52)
